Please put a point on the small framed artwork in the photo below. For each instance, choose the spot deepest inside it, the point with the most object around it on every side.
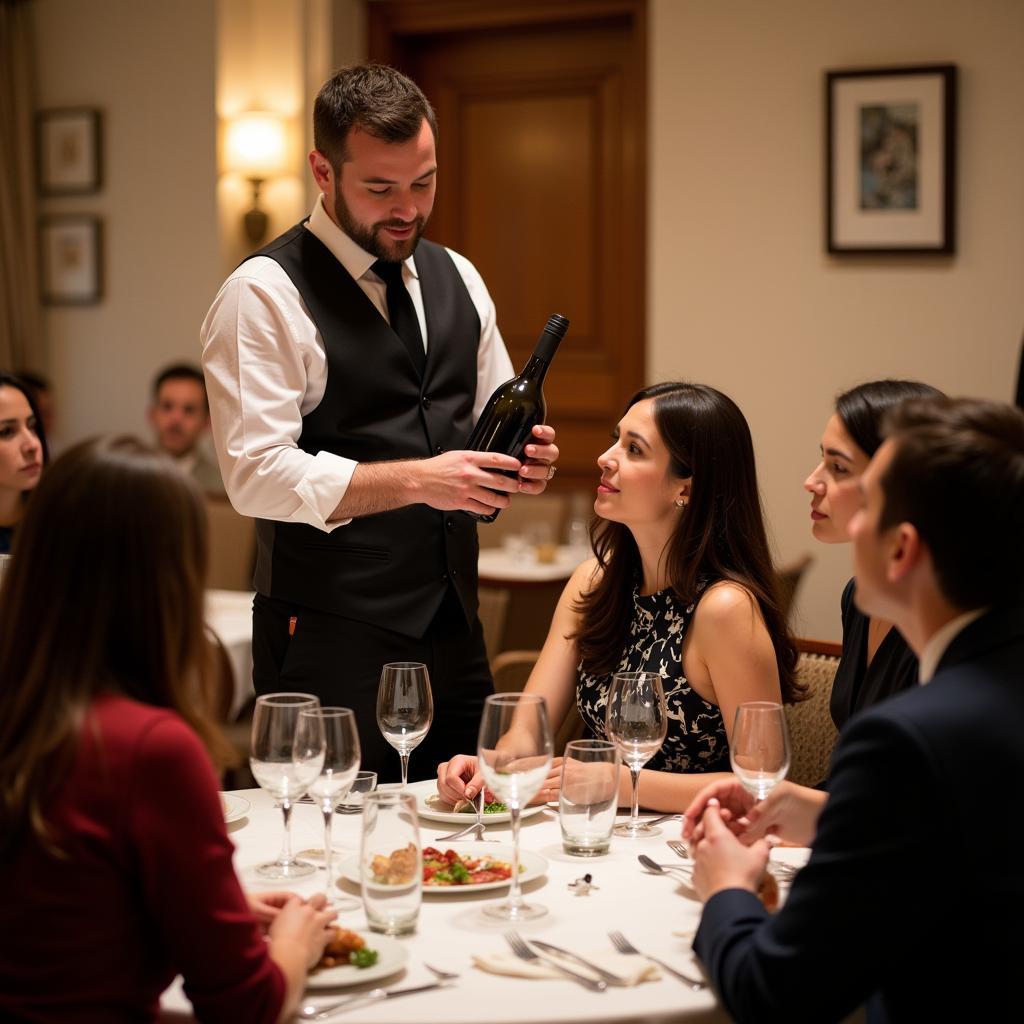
(70, 250)
(890, 160)
(68, 147)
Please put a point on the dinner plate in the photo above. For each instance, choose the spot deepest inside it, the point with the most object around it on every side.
(422, 790)
(235, 807)
(391, 958)
(531, 865)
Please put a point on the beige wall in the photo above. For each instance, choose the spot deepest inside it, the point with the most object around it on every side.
(741, 293)
(149, 66)
(743, 296)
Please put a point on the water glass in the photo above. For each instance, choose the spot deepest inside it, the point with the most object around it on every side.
(759, 751)
(364, 782)
(405, 708)
(588, 796)
(390, 862)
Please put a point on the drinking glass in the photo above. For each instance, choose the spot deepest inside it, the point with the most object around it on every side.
(272, 761)
(364, 782)
(390, 862)
(405, 708)
(333, 732)
(759, 750)
(636, 722)
(588, 796)
(514, 755)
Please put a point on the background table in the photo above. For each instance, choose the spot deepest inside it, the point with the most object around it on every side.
(229, 615)
(656, 913)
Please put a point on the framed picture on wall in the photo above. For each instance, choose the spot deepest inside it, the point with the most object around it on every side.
(69, 151)
(71, 256)
(890, 160)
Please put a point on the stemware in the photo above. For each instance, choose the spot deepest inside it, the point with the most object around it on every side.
(272, 761)
(759, 751)
(636, 722)
(514, 755)
(332, 732)
(405, 708)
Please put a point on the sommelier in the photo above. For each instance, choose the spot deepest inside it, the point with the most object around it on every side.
(346, 363)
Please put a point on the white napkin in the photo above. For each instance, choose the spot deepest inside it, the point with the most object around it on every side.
(632, 969)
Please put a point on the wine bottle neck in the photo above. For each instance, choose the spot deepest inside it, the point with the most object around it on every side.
(535, 368)
(547, 346)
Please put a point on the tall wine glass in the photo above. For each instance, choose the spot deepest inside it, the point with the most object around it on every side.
(759, 751)
(514, 755)
(332, 731)
(273, 765)
(405, 708)
(636, 722)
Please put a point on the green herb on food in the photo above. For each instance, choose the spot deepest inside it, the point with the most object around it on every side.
(362, 957)
(495, 808)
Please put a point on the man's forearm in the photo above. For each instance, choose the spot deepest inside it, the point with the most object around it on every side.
(378, 487)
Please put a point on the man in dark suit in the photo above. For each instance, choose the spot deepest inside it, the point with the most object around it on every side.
(913, 897)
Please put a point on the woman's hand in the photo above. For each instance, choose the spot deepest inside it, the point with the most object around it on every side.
(721, 861)
(458, 779)
(265, 906)
(303, 927)
(552, 784)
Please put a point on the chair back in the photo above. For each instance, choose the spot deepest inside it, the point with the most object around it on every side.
(232, 546)
(811, 731)
(511, 670)
(493, 613)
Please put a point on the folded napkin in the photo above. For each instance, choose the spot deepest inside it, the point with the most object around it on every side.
(632, 969)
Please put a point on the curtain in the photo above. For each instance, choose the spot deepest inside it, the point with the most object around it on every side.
(21, 336)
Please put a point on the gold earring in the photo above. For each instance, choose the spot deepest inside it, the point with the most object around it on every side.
(680, 503)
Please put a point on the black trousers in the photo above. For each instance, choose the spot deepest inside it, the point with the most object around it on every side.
(339, 660)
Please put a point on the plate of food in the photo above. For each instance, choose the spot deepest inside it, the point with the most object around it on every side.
(473, 867)
(430, 804)
(234, 807)
(350, 959)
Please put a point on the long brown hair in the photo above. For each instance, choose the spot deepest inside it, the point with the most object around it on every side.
(720, 536)
(104, 593)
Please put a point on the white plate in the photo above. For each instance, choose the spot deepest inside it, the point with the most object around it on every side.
(235, 807)
(391, 958)
(531, 865)
(421, 790)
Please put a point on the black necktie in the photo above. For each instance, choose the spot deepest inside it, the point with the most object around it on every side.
(401, 312)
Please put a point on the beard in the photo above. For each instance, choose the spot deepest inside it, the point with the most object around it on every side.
(372, 238)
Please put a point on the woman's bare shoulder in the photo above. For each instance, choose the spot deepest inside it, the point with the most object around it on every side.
(726, 602)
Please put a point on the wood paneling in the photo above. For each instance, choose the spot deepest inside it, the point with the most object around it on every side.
(541, 108)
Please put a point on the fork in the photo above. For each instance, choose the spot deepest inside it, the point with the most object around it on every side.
(313, 1012)
(676, 846)
(623, 945)
(477, 827)
(524, 952)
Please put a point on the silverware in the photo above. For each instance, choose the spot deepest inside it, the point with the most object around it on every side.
(612, 979)
(477, 827)
(524, 952)
(375, 995)
(680, 848)
(623, 945)
(676, 816)
(661, 869)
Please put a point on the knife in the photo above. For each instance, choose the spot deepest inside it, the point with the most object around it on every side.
(612, 979)
(376, 995)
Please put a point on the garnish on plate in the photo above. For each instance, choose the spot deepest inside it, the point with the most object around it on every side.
(347, 947)
(452, 868)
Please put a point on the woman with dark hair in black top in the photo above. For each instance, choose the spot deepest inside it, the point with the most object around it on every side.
(22, 453)
(876, 661)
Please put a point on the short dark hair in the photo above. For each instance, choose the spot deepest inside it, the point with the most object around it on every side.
(862, 408)
(376, 98)
(957, 475)
(180, 371)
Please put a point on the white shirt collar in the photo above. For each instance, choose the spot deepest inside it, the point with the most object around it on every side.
(939, 643)
(353, 257)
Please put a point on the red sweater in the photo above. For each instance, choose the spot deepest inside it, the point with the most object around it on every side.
(147, 890)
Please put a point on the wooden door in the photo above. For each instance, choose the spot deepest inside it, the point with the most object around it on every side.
(541, 182)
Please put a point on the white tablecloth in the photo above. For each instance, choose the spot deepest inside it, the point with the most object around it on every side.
(229, 614)
(498, 566)
(657, 913)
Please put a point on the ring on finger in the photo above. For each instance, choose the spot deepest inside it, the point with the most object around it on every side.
(551, 471)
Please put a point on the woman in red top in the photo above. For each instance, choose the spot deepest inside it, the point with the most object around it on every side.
(115, 862)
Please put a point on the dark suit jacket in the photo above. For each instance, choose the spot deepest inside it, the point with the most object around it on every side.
(913, 898)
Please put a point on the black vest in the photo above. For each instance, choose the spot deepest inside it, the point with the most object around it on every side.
(390, 569)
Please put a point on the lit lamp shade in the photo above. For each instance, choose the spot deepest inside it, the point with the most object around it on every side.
(255, 145)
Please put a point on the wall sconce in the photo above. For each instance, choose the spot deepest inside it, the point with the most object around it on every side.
(255, 146)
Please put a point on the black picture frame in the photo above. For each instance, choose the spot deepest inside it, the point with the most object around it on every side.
(71, 260)
(890, 160)
(69, 151)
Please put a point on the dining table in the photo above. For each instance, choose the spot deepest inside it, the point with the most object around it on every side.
(658, 914)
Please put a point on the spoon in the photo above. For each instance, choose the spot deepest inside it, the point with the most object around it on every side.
(660, 869)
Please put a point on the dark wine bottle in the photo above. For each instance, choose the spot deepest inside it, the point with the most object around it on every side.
(508, 418)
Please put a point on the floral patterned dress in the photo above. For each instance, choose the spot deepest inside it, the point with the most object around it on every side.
(696, 739)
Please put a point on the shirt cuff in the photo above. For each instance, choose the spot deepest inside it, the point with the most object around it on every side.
(322, 488)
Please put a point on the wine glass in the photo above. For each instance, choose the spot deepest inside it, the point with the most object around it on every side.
(759, 751)
(636, 722)
(514, 755)
(405, 708)
(273, 765)
(333, 732)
